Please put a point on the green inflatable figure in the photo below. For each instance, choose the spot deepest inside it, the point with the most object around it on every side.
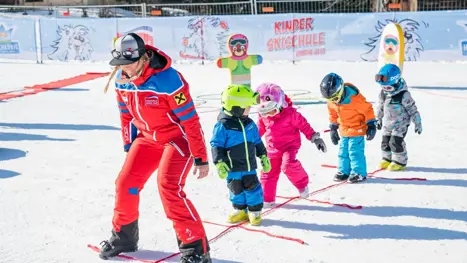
(239, 63)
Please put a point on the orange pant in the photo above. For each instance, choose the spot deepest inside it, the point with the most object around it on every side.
(173, 161)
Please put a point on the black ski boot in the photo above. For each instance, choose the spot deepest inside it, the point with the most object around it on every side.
(195, 252)
(339, 177)
(124, 241)
(205, 258)
(356, 178)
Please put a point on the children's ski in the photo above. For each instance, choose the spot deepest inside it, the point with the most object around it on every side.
(123, 256)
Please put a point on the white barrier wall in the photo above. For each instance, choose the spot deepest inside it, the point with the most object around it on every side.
(429, 36)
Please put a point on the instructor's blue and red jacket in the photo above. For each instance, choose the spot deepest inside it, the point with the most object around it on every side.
(158, 104)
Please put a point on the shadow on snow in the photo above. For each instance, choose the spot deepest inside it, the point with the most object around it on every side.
(58, 126)
(389, 211)
(373, 231)
(10, 154)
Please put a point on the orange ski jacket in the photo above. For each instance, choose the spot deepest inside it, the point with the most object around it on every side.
(352, 114)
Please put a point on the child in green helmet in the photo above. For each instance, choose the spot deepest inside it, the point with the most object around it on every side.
(235, 145)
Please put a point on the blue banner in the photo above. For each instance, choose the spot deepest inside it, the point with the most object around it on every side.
(429, 36)
(18, 39)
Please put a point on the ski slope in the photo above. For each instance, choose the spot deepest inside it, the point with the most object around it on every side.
(61, 150)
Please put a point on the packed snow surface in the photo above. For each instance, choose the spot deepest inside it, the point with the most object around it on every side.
(61, 150)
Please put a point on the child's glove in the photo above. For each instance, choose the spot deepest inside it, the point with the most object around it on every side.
(371, 131)
(222, 169)
(418, 128)
(418, 124)
(334, 134)
(265, 163)
(379, 124)
(316, 139)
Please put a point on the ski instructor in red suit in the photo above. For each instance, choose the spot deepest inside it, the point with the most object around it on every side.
(161, 131)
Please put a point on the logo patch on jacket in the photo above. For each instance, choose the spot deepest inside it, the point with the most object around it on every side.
(180, 98)
(124, 98)
(151, 101)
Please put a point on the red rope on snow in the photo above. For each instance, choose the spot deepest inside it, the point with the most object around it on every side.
(261, 231)
(354, 207)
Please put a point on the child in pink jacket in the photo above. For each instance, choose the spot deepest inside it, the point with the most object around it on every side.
(281, 124)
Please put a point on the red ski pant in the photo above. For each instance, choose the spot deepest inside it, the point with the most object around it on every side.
(288, 164)
(173, 161)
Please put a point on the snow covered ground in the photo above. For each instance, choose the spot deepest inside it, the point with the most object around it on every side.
(60, 152)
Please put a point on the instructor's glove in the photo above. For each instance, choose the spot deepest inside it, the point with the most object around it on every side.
(316, 139)
(379, 124)
(334, 134)
(371, 131)
(223, 169)
(265, 163)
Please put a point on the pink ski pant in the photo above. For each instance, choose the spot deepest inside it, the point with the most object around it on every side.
(287, 163)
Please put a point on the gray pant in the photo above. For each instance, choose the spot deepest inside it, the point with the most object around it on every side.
(393, 145)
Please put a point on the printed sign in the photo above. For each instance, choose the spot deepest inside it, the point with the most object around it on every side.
(7, 45)
(296, 34)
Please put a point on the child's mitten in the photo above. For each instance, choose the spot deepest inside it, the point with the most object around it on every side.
(316, 139)
(334, 134)
(265, 163)
(379, 124)
(371, 131)
(222, 169)
(418, 128)
(418, 124)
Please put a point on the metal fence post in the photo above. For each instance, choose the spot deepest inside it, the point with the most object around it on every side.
(143, 10)
(253, 7)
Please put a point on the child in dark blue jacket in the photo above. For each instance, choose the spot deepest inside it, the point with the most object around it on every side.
(235, 145)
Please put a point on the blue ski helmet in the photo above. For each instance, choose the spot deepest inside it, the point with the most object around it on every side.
(389, 75)
(331, 85)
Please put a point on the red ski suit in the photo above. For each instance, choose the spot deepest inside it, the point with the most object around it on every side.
(158, 105)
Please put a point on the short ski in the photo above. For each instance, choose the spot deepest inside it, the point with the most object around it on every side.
(123, 256)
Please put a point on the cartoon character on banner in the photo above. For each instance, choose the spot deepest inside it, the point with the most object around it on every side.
(413, 42)
(73, 44)
(392, 46)
(239, 63)
(205, 38)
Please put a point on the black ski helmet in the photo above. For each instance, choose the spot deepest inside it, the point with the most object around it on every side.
(330, 85)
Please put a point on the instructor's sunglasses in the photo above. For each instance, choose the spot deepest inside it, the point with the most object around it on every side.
(127, 53)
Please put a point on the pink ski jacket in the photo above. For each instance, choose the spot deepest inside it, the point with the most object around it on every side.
(282, 131)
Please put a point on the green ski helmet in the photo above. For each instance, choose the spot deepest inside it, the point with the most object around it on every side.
(236, 98)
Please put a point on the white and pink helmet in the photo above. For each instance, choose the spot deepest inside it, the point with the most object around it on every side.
(272, 98)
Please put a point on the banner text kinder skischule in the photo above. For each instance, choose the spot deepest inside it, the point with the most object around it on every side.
(297, 34)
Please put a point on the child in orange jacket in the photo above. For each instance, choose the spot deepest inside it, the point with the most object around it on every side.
(353, 116)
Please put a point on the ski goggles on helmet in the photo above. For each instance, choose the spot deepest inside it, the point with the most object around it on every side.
(381, 78)
(245, 101)
(269, 108)
(336, 97)
(128, 54)
(240, 41)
